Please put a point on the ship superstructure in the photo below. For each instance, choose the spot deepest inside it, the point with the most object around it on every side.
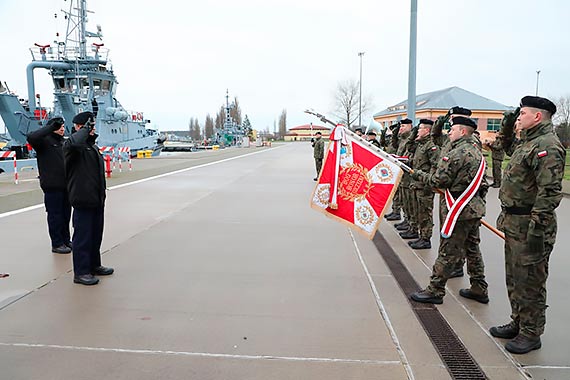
(83, 80)
(231, 132)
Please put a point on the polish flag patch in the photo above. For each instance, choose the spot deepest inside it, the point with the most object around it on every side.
(542, 154)
(445, 158)
(434, 148)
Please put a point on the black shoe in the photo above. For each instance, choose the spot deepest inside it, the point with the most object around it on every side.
(508, 331)
(409, 235)
(496, 185)
(424, 296)
(414, 241)
(393, 216)
(457, 273)
(420, 244)
(467, 293)
(402, 226)
(61, 249)
(69, 244)
(103, 271)
(314, 179)
(523, 344)
(86, 279)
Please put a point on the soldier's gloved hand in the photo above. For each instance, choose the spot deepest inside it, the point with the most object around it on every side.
(55, 123)
(535, 238)
(438, 125)
(417, 175)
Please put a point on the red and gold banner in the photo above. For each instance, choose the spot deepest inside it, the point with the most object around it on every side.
(357, 182)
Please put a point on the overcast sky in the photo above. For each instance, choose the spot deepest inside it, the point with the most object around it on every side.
(174, 60)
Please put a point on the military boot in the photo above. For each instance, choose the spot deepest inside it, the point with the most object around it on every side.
(402, 226)
(424, 296)
(420, 244)
(508, 331)
(477, 296)
(458, 272)
(414, 241)
(409, 234)
(393, 216)
(523, 344)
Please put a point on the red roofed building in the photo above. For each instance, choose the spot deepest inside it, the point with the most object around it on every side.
(305, 132)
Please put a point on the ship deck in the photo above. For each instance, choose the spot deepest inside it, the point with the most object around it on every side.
(224, 272)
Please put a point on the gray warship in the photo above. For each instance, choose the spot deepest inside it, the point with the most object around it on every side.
(83, 80)
(231, 133)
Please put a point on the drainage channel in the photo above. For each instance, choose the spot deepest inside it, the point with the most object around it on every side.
(458, 361)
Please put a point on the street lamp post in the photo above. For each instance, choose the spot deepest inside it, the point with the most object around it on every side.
(360, 94)
(537, 74)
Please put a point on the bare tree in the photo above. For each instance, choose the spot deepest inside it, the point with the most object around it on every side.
(346, 102)
(283, 123)
(561, 119)
(208, 126)
(235, 112)
(220, 118)
(562, 115)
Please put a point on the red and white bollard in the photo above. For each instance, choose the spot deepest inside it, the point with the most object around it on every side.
(108, 165)
(12, 154)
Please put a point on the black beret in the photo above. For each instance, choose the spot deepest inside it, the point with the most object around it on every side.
(371, 133)
(83, 117)
(406, 121)
(538, 102)
(55, 123)
(319, 133)
(460, 120)
(459, 111)
(426, 121)
(357, 129)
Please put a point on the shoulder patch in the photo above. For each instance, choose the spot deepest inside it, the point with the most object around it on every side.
(445, 158)
(542, 154)
(434, 148)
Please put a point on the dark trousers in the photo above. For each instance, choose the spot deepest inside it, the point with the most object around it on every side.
(87, 237)
(58, 212)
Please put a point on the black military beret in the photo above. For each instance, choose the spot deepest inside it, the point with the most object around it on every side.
(358, 130)
(460, 120)
(426, 121)
(538, 102)
(371, 133)
(406, 121)
(459, 111)
(83, 117)
(319, 133)
(55, 123)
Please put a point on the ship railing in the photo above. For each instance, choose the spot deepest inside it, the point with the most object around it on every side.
(56, 53)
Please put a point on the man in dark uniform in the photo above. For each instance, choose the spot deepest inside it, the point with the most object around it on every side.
(48, 144)
(371, 135)
(460, 172)
(399, 140)
(318, 153)
(85, 174)
(530, 192)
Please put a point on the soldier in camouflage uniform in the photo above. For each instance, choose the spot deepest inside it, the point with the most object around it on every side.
(442, 141)
(497, 157)
(426, 158)
(402, 150)
(530, 192)
(318, 153)
(390, 144)
(455, 172)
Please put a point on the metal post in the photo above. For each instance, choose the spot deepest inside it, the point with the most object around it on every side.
(412, 63)
(537, 74)
(360, 93)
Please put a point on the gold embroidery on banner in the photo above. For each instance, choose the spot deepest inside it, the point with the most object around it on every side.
(323, 194)
(384, 172)
(354, 182)
(364, 215)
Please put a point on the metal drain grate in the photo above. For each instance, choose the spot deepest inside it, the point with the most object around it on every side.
(458, 361)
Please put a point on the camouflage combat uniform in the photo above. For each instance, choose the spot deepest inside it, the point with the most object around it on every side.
(455, 172)
(497, 156)
(530, 192)
(426, 158)
(400, 143)
(319, 153)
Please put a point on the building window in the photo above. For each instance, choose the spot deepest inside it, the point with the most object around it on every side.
(493, 124)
